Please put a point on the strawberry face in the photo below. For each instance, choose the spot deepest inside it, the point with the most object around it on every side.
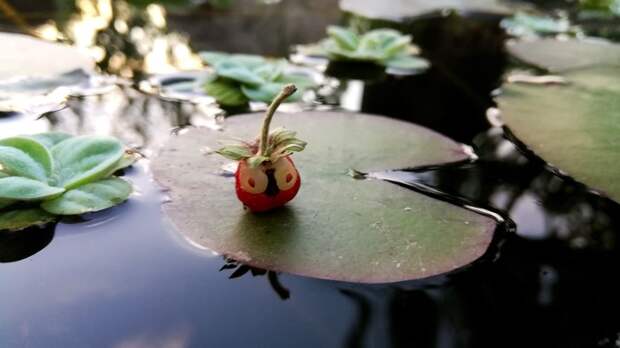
(267, 186)
(266, 177)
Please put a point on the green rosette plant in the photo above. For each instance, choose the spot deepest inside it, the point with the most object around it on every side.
(523, 24)
(240, 78)
(387, 47)
(47, 175)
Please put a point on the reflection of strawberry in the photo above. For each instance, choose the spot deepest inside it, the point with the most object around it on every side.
(266, 176)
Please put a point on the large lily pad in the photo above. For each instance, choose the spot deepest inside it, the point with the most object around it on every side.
(575, 127)
(562, 55)
(23, 55)
(398, 9)
(338, 227)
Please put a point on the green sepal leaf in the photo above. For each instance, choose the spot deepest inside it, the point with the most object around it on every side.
(256, 161)
(50, 139)
(91, 197)
(85, 159)
(280, 135)
(15, 220)
(24, 189)
(225, 92)
(343, 37)
(235, 152)
(407, 63)
(22, 156)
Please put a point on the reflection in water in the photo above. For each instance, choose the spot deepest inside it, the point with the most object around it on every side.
(23, 244)
(543, 204)
(239, 270)
(125, 40)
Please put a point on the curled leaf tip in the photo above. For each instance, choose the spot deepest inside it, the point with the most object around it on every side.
(288, 90)
(356, 174)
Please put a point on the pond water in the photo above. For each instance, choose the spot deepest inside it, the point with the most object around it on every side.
(124, 278)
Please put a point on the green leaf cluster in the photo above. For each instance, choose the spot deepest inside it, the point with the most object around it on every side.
(282, 142)
(602, 7)
(240, 78)
(387, 47)
(50, 174)
(530, 25)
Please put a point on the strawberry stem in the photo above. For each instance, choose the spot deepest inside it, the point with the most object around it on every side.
(286, 92)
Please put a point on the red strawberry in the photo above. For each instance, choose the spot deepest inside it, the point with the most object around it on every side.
(266, 176)
(267, 186)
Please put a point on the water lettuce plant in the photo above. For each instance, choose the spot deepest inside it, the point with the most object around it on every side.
(240, 78)
(50, 174)
(387, 47)
(523, 24)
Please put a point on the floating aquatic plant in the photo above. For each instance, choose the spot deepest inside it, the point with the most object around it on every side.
(240, 78)
(531, 25)
(387, 47)
(339, 227)
(50, 174)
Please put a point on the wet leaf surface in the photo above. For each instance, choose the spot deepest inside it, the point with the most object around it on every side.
(26, 56)
(83, 159)
(20, 188)
(91, 197)
(574, 127)
(337, 227)
(15, 220)
(562, 55)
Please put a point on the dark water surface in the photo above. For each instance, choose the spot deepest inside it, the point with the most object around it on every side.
(124, 278)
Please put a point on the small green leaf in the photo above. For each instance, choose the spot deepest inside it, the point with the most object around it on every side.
(84, 159)
(256, 161)
(267, 92)
(235, 152)
(250, 61)
(407, 63)
(238, 72)
(225, 92)
(50, 139)
(271, 71)
(280, 135)
(24, 189)
(397, 46)
(213, 58)
(300, 81)
(15, 220)
(22, 156)
(91, 197)
(127, 160)
(343, 37)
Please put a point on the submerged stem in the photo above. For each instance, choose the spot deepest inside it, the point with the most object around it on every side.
(286, 92)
